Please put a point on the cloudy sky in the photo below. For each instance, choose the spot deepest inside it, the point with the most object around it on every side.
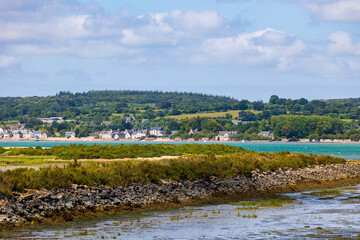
(247, 49)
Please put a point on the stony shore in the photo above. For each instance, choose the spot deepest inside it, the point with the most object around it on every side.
(34, 207)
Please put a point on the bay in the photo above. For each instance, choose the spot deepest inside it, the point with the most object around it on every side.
(343, 150)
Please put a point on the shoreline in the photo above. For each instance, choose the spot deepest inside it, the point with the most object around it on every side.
(37, 207)
(159, 141)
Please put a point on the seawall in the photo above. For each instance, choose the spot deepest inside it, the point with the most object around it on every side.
(34, 207)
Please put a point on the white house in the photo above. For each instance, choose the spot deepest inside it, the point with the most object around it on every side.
(119, 135)
(70, 134)
(52, 119)
(17, 134)
(2, 130)
(128, 134)
(27, 134)
(140, 134)
(7, 134)
(266, 134)
(157, 131)
(106, 134)
(225, 135)
(46, 135)
(36, 134)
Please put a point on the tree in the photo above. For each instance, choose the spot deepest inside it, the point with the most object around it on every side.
(258, 105)
(247, 116)
(273, 99)
(228, 116)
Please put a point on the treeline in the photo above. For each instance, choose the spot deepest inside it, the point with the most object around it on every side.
(124, 173)
(125, 151)
(99, 106)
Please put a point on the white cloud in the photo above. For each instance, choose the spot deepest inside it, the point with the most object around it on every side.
(334, 10)
(8, 61)
(190, 37)
(268, 48)
(328, 10)
(342, 44)
(277, 51)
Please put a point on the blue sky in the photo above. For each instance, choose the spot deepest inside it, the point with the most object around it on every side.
(247, 49)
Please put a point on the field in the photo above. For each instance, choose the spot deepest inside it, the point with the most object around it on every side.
(234, 114)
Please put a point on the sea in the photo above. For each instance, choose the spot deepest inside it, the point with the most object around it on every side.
(343, 150)
(316, 214)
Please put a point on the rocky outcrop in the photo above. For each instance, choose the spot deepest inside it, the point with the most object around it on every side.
(42, 205)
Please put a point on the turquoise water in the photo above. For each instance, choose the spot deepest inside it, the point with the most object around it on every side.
(344, 150)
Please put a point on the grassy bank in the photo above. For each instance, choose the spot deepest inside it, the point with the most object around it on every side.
(123, 151)
(129, 172)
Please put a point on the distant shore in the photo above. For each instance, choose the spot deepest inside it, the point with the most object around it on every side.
(165, 140)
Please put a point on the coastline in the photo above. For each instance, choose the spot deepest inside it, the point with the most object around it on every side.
(34, 207)
(167, 140)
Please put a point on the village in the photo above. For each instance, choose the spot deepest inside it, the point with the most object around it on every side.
(20, 133)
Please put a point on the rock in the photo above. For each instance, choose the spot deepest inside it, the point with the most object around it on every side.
(69, 205)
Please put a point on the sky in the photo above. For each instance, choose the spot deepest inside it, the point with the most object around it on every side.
(246, 49)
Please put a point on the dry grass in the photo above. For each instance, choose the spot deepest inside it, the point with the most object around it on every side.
(234, 113)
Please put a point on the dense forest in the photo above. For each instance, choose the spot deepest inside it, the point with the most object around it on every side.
(102, 104)
(95, 111)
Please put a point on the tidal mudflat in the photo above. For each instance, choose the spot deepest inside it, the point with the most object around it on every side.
(316, 214)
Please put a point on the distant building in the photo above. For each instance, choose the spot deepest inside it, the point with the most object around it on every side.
(119, 135)
(17, 134)
(106, 134)
(140, 134)
(46, 135)
(52, 119)
(157, 131)
(36, 134)
(128, 134)
(266, 134)
(144, 120)
(225, 135)
(94, 135)
(173, 133)
(236, 122)
(193, 131)
(128, 119)
(27, 134)
(70, 134)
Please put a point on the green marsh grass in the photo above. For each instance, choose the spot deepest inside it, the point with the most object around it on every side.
(23, 160)
(124, 173)
(263, 203)
(326, 192)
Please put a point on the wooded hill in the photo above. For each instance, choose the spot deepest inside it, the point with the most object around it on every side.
(105, 103)
(100, 105)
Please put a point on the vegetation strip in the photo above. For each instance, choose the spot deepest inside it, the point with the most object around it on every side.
(32, 207)
(75, 151)
(125, 173)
